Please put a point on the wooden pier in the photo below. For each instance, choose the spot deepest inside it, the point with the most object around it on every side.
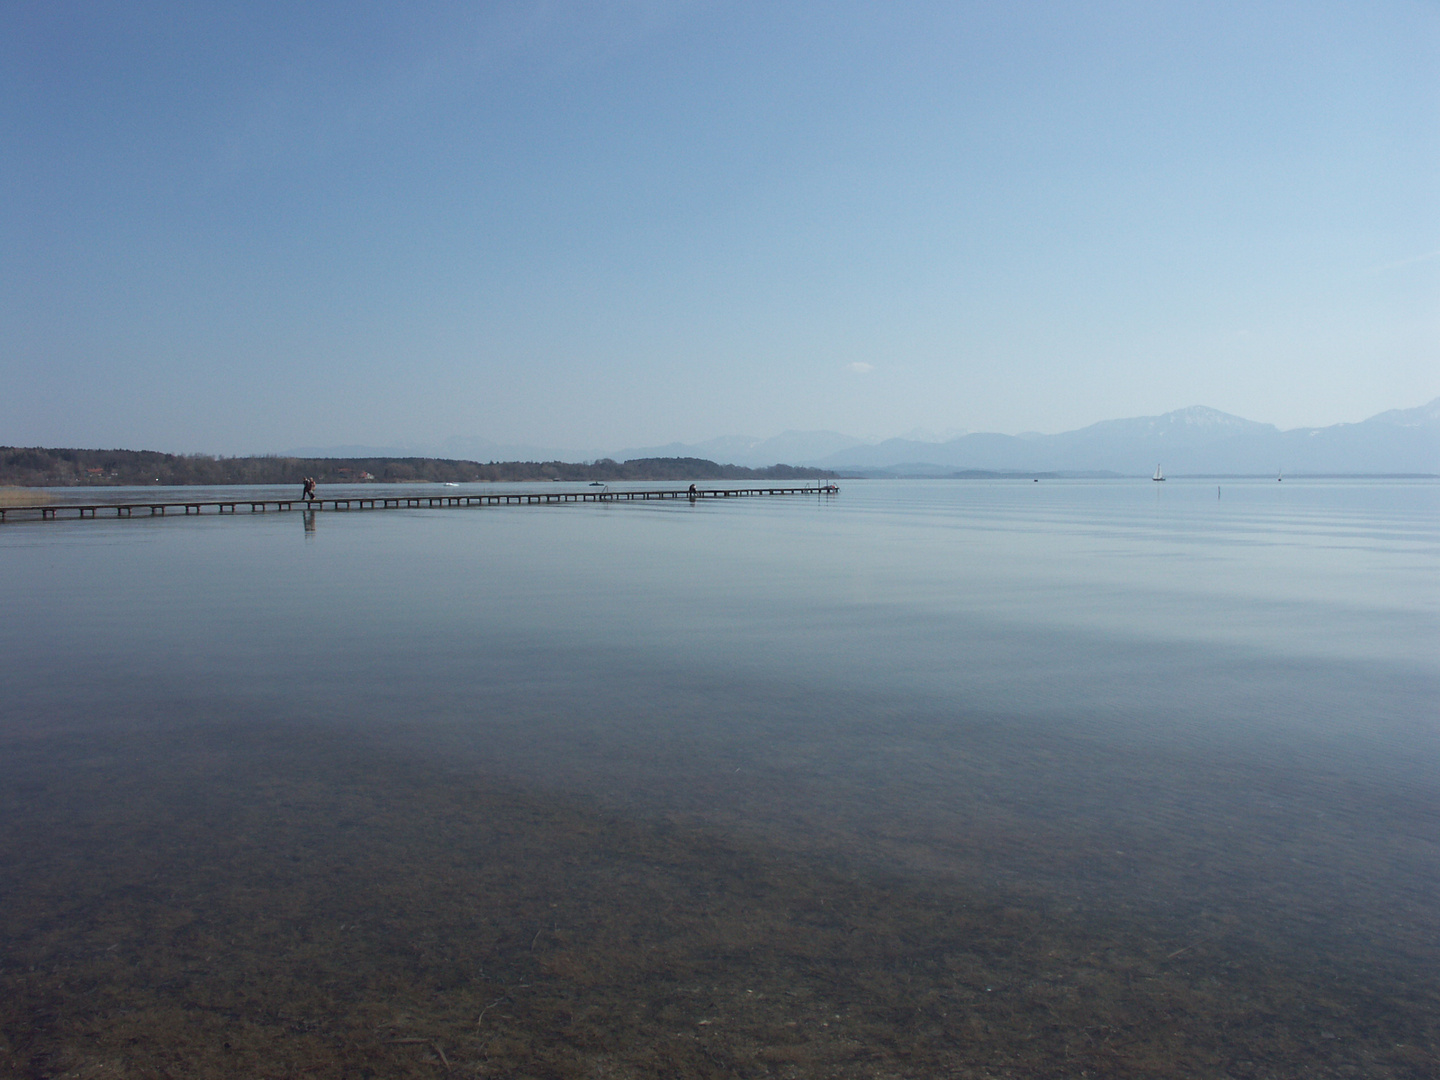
(332, 503)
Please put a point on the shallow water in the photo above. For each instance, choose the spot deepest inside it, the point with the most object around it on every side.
(927, 778)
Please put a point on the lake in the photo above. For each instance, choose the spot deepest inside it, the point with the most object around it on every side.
(960, 778)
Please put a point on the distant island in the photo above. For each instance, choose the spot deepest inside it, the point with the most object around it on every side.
(41, 467)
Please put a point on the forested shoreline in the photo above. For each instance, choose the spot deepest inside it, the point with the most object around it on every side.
(44, 467)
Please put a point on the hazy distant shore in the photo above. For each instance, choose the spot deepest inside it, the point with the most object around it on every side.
(43, 467)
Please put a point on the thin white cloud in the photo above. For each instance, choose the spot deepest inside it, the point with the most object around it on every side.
(859, 367)
(1404, 262)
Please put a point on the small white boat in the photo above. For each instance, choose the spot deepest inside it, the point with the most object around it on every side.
(451, 483)
(1158, 474)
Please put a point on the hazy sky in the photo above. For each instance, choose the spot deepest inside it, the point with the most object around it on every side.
(252, 226)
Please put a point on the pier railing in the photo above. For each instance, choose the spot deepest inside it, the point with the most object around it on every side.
(333, 503)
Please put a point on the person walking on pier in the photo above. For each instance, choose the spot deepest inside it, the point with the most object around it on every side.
(307, 492)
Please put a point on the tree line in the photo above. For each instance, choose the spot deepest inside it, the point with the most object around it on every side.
(42, 467)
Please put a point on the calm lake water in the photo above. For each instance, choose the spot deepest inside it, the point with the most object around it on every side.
(928, 778)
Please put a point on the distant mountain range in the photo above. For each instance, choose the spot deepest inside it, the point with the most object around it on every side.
(1197, 440)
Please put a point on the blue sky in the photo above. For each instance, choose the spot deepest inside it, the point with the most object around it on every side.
(241, 228)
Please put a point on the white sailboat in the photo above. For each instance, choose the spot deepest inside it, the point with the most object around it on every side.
(1158, 474)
